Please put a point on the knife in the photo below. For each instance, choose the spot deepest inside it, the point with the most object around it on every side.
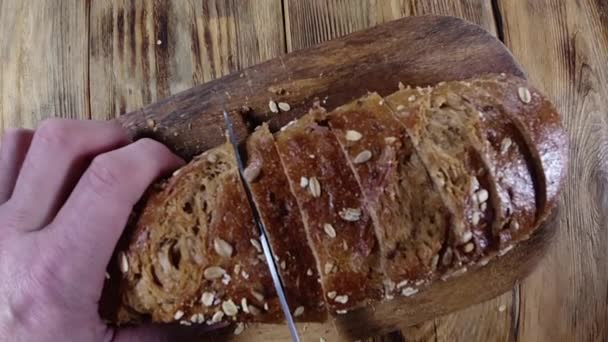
(272, 266)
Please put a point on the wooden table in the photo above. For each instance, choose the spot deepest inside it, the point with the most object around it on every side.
(99, 59)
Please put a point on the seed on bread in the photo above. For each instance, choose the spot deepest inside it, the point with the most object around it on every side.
(230, 308)
(298, 311)
(217, 317)
(332, 294)
(123, 262)
(244, 305)
(303, 182)
(505, 144)
(469, 247)
(390, 140)
(329, 230)
(256, 244)
(401, 85)
(314, 187)
(400, 107)
(446, 259)
(352, 135)
(178, 314)
(222, 248)
(343, 299)
(350, 214)
(309, 272)
(482, 195)
(150, 123)
(213, 272)
(252, 172)
(207, 298)
(476, 218)
(273, 106)
(362, 157)
(409, 291)
(524, 95)
(284, 106)
(328, 267)
(466, 236)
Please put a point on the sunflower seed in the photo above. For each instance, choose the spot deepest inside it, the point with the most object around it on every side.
(314, 187)
(124, 262)
(298, 311)
(524, 95)
(178, 314)
(222, 248)
(329, 230)
(362, 157)
(505, 144)
(217, 317)
(207, 298)
(390, 140)
(213, 272)
(409, 291)
(252, 172)
(273, 106)
(341, 299)
(350, 214)
(230, 308)
(352, 135)
(328, 267)
(256, 244)
(284, 106)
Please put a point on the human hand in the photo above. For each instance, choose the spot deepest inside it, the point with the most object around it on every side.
(66, 191)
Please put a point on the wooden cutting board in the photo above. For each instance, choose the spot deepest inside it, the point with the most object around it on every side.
(416, 51)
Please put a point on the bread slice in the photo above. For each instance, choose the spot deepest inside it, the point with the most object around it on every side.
(410, 217)
(190, 257)
(448, 142)
(505, 152)
(540, 127)
(281, 216)
(333, 208)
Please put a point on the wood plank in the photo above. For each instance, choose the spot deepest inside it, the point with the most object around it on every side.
(312, 22)
(44, 69)
(564, 47)
(145, 50)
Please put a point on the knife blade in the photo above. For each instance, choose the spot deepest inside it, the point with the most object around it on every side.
(272, 266)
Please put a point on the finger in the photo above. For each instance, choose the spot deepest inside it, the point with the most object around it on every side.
(163, 332)
(15, 144)
(95, 214)
(59, 153)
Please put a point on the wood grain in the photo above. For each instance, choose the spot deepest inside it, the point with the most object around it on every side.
(564, 45)
(43, 51)
(143, 51)
(312, 22)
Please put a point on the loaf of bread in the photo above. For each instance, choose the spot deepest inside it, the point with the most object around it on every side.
(378, 198)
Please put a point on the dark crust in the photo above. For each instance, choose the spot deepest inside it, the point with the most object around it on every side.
(410, 217)
(508, 159)
(541, 128)
(308, 149)
(279, 212)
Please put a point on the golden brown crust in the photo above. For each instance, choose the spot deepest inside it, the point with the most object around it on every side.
(200, 222)
(410, 217)
(332, 205)
(281, 216)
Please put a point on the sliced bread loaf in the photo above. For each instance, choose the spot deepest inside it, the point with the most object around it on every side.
(281, 216)
(339, 227)
(410, 218)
